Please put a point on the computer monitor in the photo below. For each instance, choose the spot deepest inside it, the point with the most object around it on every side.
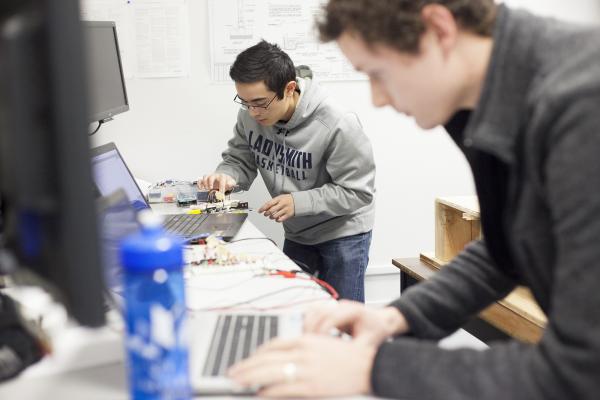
(46, 188)
(106, 81)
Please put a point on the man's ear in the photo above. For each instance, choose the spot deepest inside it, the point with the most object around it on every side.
(439, 20)
(290, 87)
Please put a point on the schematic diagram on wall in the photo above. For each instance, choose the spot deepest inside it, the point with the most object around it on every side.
(238, 24)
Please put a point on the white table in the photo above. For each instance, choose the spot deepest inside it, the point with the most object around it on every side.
(89, 364)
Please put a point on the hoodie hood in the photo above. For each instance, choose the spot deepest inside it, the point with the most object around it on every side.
(311, 97)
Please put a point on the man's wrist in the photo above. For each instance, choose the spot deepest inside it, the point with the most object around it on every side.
(395, 321)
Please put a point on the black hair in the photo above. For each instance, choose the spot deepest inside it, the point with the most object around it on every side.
(264, 62)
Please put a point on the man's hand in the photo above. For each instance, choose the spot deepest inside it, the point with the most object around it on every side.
(368, 325)
(310, 366)
(279, 208)
(221, 182)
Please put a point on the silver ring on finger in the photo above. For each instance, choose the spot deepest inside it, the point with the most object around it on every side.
(290, 371)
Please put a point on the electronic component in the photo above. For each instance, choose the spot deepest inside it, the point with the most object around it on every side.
(211, 196)
(213, 251)
(202, 195)
(211, 207)
(170, 191)
(184, 199)
(154, 196)
(187, 194)
(242, 205)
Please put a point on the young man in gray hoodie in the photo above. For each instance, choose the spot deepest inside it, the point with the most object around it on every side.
(315, 161)
(520, 96)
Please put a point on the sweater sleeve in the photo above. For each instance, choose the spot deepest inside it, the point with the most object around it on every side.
(566, 362)
(238, 160)
(351, 166)
(468, 284)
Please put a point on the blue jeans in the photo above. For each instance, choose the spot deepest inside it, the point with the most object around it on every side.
(340, 262)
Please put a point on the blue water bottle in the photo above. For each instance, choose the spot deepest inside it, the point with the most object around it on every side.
(156, 341)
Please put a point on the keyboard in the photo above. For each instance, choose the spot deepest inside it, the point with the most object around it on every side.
(236, 337)
(185, 225)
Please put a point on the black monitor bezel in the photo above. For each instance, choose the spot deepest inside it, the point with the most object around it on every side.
(45, 172)
(108, 114)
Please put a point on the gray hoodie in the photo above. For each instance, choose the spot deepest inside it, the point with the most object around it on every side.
(321, 156)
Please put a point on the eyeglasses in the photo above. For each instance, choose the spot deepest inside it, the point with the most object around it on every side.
(247, 106)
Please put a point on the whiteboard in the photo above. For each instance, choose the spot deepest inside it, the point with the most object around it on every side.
(236, 25)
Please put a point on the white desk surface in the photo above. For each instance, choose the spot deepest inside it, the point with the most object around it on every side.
(88, 364)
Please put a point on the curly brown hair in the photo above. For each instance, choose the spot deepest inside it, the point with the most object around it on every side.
(398, 23)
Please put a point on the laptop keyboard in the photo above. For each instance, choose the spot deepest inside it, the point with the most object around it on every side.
(236, 337)
(184, 224)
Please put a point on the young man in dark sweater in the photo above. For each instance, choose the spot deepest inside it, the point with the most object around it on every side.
(520, 96)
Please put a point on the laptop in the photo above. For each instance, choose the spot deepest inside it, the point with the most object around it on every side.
(220, 340)
(110, 173)
(217, 340)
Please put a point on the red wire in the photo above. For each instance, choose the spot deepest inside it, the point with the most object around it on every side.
(294, 275)
(286, 275)
(327, 287)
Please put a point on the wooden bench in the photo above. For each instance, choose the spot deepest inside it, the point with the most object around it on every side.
(457, 223)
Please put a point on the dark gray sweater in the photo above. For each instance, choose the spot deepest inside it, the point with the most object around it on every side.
(533, 142)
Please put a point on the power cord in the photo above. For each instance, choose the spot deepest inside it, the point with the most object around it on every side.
(305, 268)
(294, 275)
(254, 238)
(100, 123)
(237, 305)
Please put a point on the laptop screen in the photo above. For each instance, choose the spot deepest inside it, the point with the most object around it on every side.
(111, 173)
(116, 220)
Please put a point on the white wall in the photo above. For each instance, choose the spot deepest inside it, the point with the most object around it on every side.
(586, 11)
(176, 128)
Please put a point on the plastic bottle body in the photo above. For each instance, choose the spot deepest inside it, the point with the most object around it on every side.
(155, 313)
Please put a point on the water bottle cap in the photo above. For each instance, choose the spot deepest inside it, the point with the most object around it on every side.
(151, 248)
(150, 220)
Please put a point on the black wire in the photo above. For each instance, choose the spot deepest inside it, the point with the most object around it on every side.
(305, 268)
(255, 238)
(259, 297)
(209, 289)
(97, 128)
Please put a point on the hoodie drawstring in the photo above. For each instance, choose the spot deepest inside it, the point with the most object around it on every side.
(283, 170)
(274, 158)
